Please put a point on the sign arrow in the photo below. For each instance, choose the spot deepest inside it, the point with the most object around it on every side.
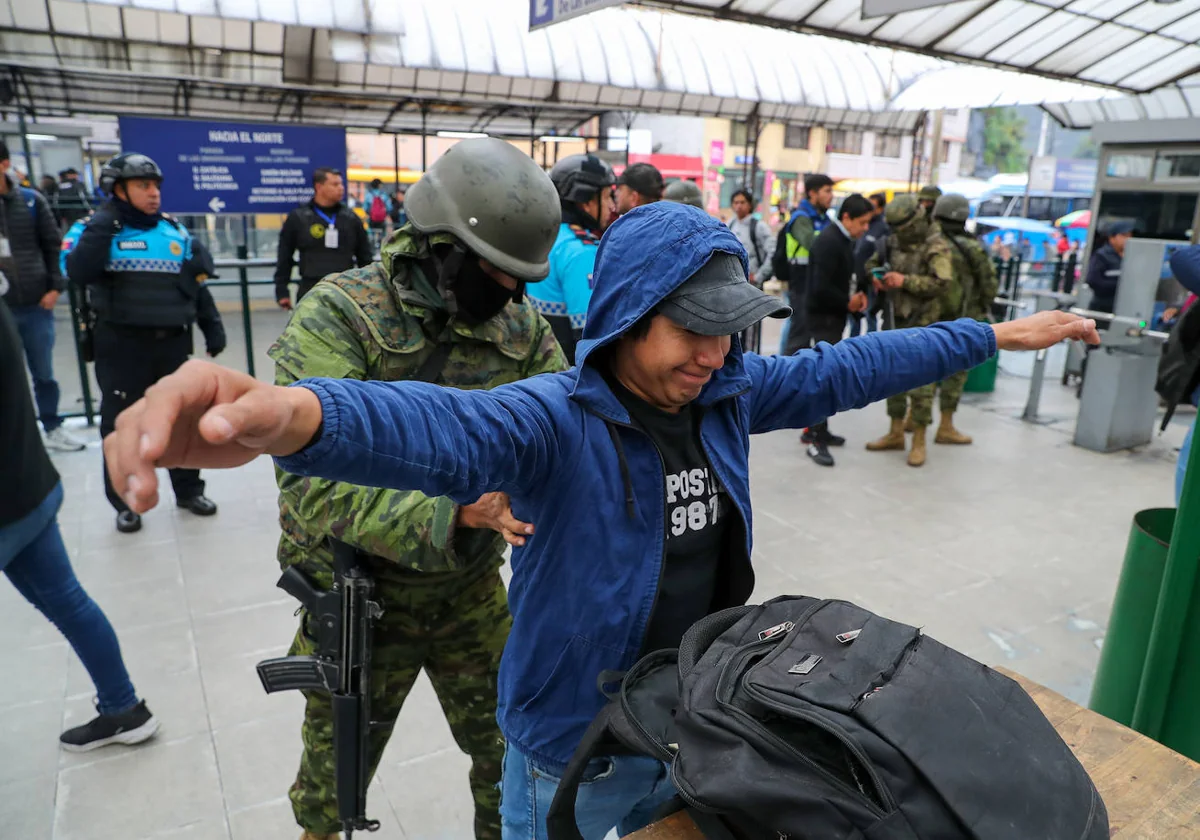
(216, 205)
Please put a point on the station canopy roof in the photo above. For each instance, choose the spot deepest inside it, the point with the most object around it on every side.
(472, 65)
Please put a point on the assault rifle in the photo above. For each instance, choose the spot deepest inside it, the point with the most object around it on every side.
(341, 621)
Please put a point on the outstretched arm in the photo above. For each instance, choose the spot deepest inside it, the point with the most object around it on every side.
(800, 390)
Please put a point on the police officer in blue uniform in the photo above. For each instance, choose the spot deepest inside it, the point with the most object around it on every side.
(143, 276)
(585, 191)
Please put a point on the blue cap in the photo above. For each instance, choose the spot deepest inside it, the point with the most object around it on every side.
(1117, 228)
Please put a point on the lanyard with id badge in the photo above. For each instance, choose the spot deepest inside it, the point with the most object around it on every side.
(331, 231)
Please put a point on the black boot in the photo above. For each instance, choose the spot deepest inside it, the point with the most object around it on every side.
(199, 505)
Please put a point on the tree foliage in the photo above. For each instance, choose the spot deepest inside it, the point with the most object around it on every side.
(1003, 140)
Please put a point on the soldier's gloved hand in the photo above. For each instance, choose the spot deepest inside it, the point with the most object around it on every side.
(494, 511)
(1045, 329)
(213, 352)
(203, 416)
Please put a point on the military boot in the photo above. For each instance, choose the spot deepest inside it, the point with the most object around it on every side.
(308, 835)
(892, 440)
(946, 432)
(908, 423)
(916, 455)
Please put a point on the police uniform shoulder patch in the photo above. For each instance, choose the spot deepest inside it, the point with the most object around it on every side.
(317, 231)
(176, 249)
(584, 235)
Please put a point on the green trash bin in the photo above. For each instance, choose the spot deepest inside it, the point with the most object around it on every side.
(1122, 691)
(981, 379)
(1119, 674)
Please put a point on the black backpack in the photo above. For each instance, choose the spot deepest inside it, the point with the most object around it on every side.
(1179, 367)
(819, 720)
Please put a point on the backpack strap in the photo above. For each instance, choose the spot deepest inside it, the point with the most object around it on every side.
(31, 201)
(560, 819)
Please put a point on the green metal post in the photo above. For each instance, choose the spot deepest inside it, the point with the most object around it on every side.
(244, 286)
(84, 382)
(1171, 618)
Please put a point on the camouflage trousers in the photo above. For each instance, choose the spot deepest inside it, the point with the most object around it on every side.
(950, 390)
(921, 400)
(453, 625)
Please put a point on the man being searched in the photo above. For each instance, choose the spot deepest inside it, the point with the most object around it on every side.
(791, 255)
(684, 192)
(917, 272)
(755, 237)
(640, 183)
(143, 276)
(32, 279)
(633, 467)
(970, 295)
(585, 192)
(328, 235)
(832, 294)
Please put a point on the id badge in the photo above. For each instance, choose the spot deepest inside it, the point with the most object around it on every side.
(5, 248)
(331, 237)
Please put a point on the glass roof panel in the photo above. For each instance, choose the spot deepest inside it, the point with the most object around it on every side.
(924, 25)
(992, 26)
(1161, 72)
(1082, 53)
(1152, 16)
(1130, 59)
(1102, 9)
(1039, 41)
(1187, 29)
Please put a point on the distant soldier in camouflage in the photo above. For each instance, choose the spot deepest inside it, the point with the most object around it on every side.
(927, 197)
(917, 257)
(445, 304)
(969, 296)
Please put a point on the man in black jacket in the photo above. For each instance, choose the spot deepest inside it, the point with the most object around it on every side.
(831, 280)
(1104, 268)
(864, 249)
(29, 242)
(329, 236)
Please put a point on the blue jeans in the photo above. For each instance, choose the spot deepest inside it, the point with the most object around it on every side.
(621, 791)
(33, 556)
(36, 326)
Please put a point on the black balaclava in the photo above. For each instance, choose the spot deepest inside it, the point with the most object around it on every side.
(477, 295)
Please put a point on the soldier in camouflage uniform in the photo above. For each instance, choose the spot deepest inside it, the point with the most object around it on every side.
(969, 296)
(917, 257)
(449, 286)
(927, 197)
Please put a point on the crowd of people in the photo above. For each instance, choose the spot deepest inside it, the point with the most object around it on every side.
(594, 421)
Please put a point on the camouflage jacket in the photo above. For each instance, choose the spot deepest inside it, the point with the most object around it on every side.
(381, 322)
(928, 273)
(975, 282)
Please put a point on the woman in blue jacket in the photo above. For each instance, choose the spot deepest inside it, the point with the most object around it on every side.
(633, 467)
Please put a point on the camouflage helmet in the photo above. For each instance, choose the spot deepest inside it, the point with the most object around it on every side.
(929, 192)
(580, 177)
(126, 166)
(684, 192)
(901, 210)
(952, 207)
(495, 200)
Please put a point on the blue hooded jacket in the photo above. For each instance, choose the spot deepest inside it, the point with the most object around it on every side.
(564, 449)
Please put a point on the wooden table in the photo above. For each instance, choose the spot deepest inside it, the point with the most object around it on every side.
(1151, 792)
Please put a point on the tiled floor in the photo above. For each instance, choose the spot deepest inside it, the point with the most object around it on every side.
(1008, 549)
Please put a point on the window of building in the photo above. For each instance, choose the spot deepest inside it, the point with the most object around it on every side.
(1156, 215)
(737, 134)
(887, 145)
(945, 151)
(1169, 166)
(1129, 165)
(796, 136)
(843, 141)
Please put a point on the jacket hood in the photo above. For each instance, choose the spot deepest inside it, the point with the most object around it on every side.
(643, 257)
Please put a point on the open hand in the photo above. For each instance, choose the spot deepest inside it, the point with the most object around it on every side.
(48, 300)
(893, 279)
(494, 511)
(858, 302)
(1045, 329)
(204, 415)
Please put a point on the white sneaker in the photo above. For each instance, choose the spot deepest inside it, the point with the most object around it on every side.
(63, 441)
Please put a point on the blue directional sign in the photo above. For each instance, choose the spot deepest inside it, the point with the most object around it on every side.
(545, 12)
(220, 167)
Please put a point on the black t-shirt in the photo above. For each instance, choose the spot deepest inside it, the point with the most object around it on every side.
(697, 520)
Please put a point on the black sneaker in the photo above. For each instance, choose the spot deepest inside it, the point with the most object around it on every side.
(819, 452)
(131, 727)
(834, 440)
(199, 505)
(128, 522)
(806, 436)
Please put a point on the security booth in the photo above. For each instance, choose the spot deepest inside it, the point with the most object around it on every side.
(1149, 174)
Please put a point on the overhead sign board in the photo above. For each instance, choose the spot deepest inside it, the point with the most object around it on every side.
(882, 8)
(219, 167)
(546, 12)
